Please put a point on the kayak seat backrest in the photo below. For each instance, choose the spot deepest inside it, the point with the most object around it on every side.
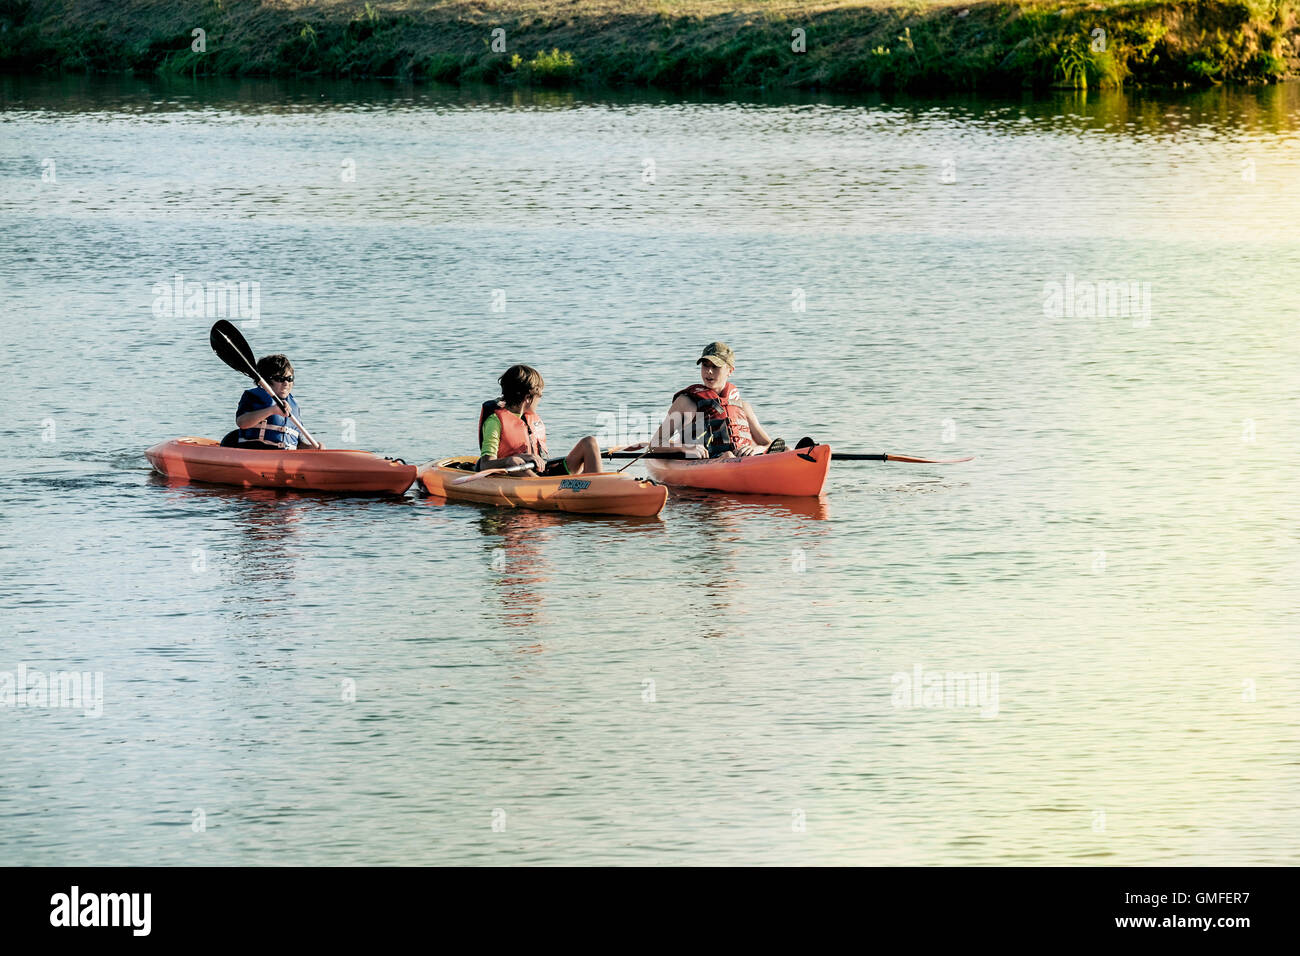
(231, 440)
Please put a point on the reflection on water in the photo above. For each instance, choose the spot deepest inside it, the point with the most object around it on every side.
(723, 531)
(728, 507)
(262, 565)
(515, 546)
(1124, 113)
(519, 544)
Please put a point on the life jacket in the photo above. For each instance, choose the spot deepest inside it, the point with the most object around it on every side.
(274, 429)
(520, 435)
(725, 426)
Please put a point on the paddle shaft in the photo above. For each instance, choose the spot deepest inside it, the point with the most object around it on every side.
(837, 456)
(858, 456)
(526, 466)
(634, 455)
(284, 406)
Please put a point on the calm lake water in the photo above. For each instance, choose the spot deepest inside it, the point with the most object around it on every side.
(729, 683)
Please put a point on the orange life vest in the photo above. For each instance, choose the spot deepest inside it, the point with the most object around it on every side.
(520, 435)
(726, 427)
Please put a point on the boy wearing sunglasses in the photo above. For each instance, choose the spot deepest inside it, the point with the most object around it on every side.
(258, 417)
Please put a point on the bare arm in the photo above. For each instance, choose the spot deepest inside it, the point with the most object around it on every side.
(761, 438)
(681, 409)
(537, 461)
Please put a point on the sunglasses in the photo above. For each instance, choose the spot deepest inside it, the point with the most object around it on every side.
(289, 379)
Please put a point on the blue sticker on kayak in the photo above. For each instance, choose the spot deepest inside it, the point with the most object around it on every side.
(574, 484)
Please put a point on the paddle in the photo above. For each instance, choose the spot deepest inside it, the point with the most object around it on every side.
(233, 349)
(515, 469)
(637, 456)
(851, 456)
(836, 456)
(634, 455)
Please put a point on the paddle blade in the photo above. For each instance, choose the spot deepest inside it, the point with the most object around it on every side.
(928, 461)
(854, 456)
(233, 349)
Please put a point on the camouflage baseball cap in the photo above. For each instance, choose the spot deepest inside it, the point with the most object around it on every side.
(719, 354)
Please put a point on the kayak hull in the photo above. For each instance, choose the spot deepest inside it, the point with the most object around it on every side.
(340, 470)
(606, 493)
(799, 473)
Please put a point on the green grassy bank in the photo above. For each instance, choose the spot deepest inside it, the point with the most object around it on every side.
(835, 45)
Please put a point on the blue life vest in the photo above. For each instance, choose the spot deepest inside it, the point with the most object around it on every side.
(276, 429)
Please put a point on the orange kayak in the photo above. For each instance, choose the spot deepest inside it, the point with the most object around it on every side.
(796, 473)
(202, 459)
(607, 493)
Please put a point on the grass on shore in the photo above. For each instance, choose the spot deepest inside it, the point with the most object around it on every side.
(834, 45)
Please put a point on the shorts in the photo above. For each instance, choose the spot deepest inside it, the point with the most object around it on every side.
(560, 467)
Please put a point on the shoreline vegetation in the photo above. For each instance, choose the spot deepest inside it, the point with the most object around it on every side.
(833, 45)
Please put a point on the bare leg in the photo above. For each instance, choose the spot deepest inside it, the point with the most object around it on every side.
(584, 457)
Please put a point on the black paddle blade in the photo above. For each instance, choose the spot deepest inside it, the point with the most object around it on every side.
(233, 349)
